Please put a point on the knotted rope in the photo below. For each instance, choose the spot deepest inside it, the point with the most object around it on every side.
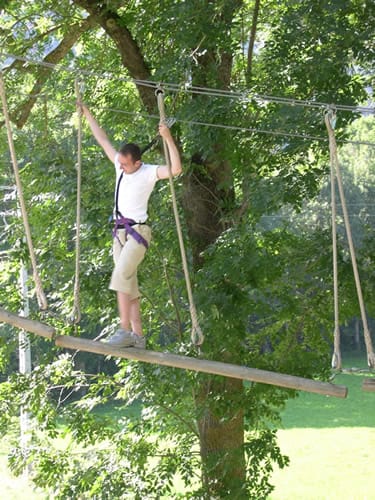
(197, 336)
(42, 301)
(76, 312)
(330, 120)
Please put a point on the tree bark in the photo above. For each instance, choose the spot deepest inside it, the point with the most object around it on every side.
(207, 191)
(222, 440)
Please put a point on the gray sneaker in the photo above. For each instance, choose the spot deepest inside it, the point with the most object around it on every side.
(122, 338)
(139, 341)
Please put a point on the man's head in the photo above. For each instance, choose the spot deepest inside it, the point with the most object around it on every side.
(130, 157)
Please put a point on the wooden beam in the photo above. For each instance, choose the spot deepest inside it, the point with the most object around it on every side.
(177, 361)
(27, 324)
(368, 384)
(203, 365)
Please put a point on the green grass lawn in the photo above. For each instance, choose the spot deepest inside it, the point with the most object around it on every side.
(331, 446)
(316, 411)
(12, 488)
(327, 464)
(330, 443)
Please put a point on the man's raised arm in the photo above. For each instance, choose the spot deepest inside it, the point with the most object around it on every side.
(174, 155)
(98, 132)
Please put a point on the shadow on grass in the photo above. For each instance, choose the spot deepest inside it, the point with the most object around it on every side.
(306, 411)
(315, 411)
(117, 411)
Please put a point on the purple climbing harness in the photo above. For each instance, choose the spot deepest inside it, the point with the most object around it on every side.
(127, 224)
(122, 222)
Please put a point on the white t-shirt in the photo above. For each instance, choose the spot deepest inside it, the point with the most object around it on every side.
(135, 190)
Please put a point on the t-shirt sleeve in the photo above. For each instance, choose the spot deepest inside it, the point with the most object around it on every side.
(152, 173)
(116, 162)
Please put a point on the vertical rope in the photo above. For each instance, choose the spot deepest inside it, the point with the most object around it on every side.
(76, 312)
(329, 119)
(336, 357)
(42, 301)
(45, 109)
(197, 336)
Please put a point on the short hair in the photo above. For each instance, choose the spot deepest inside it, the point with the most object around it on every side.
(131, 149)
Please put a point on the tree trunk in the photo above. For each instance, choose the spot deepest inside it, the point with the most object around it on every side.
(207, 191)
(221, 440)
(208, 205)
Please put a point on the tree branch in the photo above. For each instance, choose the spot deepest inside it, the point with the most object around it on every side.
(21, 115)
(252, 41)
(21, 65)
(131, 55)
(180, 418)
(172, 296)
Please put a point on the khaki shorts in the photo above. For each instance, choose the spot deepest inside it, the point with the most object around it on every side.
(127, 256)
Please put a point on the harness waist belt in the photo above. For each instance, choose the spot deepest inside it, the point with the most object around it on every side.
(122, 226)
(124, 223)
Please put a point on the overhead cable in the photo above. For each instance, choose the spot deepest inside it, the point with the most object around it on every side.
(244, 95)
(241, 129)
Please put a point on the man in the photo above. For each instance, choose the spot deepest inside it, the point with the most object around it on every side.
(135, 181)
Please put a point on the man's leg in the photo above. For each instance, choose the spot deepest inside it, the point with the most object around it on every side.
(130, 313)
(135, 317)
(127, 256)
(124, 308)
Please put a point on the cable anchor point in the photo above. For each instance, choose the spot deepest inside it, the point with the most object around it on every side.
(330, 112)
(159, 89)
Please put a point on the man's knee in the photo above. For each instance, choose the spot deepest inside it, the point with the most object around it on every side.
(127, 274)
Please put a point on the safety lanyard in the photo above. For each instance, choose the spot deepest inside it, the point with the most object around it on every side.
(118, 213)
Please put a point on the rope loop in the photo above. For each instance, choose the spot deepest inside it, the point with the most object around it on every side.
(336, 357)
(197, 336)
(170, 121)
(159, 90)
(331, 113)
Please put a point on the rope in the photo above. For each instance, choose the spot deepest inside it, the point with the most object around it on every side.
(336, 362)
(76, 312)
(42, 301)
(330, 122)
(197, 336)
(194, 89)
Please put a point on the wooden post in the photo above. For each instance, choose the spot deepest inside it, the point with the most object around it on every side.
(177, 361)
(27, 324)
(24, 350)
(368, 384)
